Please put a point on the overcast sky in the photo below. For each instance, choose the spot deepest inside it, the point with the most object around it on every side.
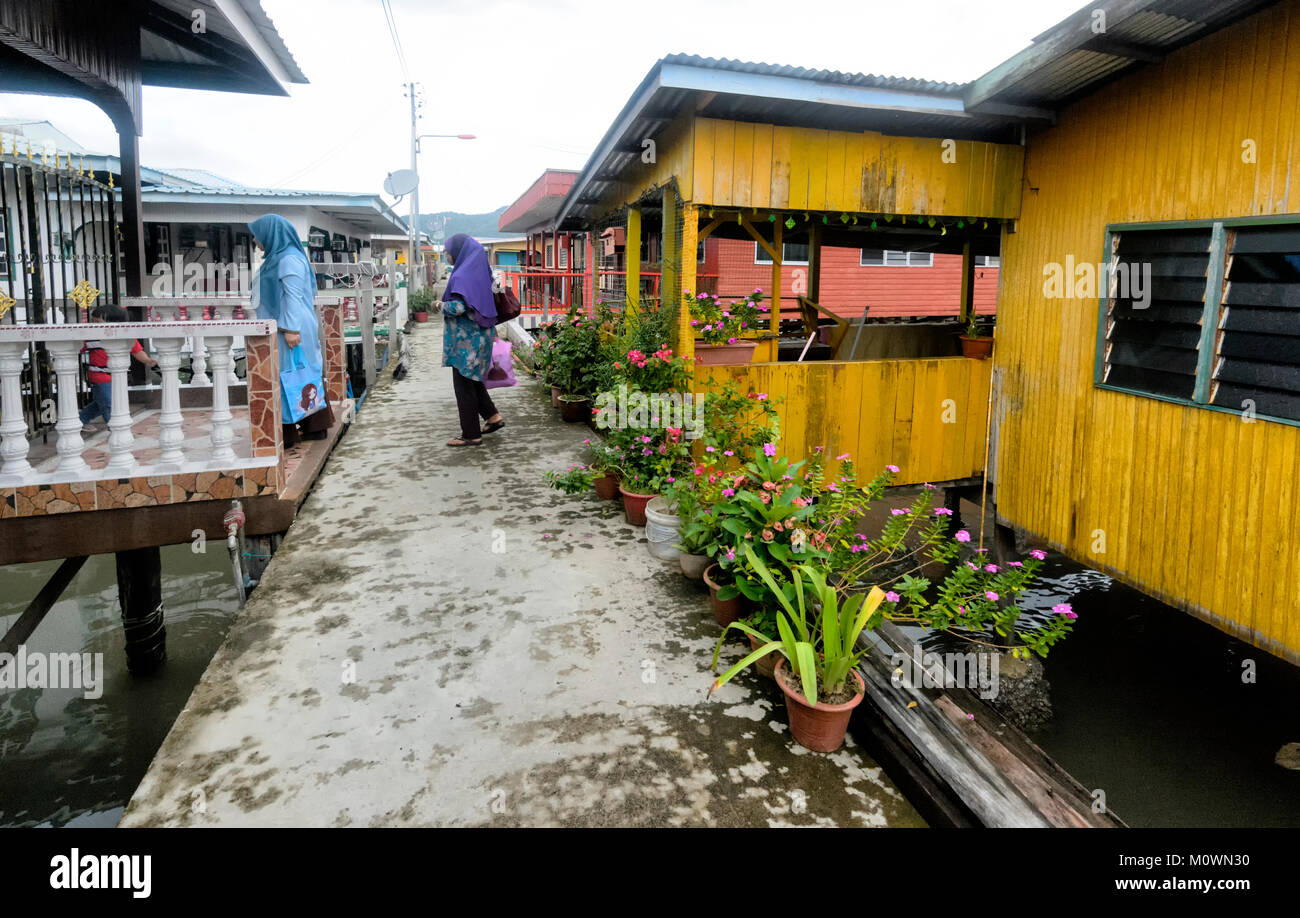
(538, 82)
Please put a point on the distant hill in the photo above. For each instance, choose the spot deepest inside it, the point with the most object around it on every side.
(470, 224)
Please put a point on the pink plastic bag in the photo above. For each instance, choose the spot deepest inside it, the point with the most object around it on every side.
(502, 371)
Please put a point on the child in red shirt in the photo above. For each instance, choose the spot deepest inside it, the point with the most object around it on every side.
(100, 379)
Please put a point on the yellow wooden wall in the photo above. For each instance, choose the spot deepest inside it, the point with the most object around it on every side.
(737, 164)
(1196, 507)
(878, 411)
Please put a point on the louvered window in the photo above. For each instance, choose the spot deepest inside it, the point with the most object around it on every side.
(1218, 323)
(1153, 335)
(1257, 362)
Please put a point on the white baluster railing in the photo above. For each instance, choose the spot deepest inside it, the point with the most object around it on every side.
(64, 343)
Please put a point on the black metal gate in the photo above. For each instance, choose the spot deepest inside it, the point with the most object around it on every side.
(58, 254)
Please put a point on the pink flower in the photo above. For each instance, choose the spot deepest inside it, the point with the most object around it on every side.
(991, 596)
(928, 486)
(728, 492)
(963, 536)
(670, 479)
(991, 568)
(1015, 564)
(897, 512)
(942, 511)
(891, 596)
(1063, 608)
(731, 340)
(727, 452)
(765, 497)
(731, 554)
(767, 535)
(841, 457)
(769, 449)
(1040, 555)
(708, 449)
(892, 468)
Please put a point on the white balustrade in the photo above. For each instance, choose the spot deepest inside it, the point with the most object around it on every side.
(222, 435)
(170, 424)
(67, 366)
(64, 343)
(13, 423)
(121, 462)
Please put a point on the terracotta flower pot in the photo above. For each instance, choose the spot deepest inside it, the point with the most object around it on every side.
(723, 355)
(607, 487)
(977, 348)
(767, 665)
(634, 505)
(555, 396)
(421, 317)
(693, 565)
(725, 611)
(575, 410)
(819, 727)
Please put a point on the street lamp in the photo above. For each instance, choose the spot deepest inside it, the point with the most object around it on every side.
(415, 197)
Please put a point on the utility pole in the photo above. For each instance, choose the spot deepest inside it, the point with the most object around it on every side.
(412, 279)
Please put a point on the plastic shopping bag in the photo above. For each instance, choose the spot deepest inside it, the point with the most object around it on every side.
(502, 371)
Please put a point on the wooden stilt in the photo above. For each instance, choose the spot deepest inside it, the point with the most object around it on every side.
(139, 591)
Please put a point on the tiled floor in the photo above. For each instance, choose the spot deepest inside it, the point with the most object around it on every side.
(197, 426)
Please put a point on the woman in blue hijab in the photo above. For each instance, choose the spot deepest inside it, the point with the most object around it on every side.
(285, 290)
(469, 323)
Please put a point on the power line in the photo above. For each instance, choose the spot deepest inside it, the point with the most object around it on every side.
(393, 33)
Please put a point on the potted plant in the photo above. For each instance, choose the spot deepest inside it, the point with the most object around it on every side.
(699, 539)
(974, 344)
(575, 480)
(725, 609)
(818, 648)
(420, 302)
(604, 466)
(721, 327)
(574, 362)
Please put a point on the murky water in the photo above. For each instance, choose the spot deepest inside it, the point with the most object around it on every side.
(69, 760)
(1150, 707)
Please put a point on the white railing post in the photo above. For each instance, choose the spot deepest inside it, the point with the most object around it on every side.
(170, 423)
(70, 444)
(121, 463)
(223, 437)
(226, 313)
(13, 424)
(198, 362)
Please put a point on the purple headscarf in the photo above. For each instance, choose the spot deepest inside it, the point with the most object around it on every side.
(471, 279)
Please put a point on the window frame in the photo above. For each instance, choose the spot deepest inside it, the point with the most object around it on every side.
(1214, 276)
(884, 258)
(758, 250)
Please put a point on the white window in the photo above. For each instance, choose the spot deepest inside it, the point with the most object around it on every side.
(163, 240)
(550, 255)
(987, 261)
(4, 249)
(895, 258)
(564, 258)
(792, 253)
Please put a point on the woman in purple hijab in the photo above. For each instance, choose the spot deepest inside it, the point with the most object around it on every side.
(469, 328)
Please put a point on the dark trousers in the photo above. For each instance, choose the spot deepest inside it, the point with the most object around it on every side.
(472, 402)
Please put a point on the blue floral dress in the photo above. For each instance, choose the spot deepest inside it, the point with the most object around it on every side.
(466, 346)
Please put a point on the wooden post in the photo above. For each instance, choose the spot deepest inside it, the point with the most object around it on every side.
(132, 208)
(592, 285)
(670, 277)
(690, 235)
(815, 263)
(139, 593)
(778, 233)
(368, 330)
(632, 259)
(967, 282)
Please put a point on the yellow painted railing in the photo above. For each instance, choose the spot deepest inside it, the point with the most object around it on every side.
(927, 416)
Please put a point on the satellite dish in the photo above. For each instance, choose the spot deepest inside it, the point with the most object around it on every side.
(401, 182)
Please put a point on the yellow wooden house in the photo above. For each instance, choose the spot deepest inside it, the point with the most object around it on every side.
(1145, 425)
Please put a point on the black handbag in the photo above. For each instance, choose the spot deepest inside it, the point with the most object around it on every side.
(507, 305)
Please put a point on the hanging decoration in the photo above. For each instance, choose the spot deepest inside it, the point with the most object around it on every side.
(6, 303)
(83, 294)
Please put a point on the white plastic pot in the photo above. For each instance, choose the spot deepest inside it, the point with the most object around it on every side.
(661, 529)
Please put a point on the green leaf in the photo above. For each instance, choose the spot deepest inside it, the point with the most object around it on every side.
(807, 670)
(761, 569)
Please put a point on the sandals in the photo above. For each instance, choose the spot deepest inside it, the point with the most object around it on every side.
(459, 442)
(494, 426)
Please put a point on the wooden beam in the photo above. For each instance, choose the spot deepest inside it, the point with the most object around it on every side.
(815, 262)
(670, 246)
(32, 616)
(967, 282)
(707, 230)
(690, 234)
(749, 228)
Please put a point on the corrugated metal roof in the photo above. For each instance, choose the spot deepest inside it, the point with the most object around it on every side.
(907, 84)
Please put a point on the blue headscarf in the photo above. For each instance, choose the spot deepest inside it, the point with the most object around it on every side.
(471, 279)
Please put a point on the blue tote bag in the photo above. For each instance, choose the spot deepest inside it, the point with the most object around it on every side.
(302, 389)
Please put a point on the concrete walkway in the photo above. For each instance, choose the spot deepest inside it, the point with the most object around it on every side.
(441, 640)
